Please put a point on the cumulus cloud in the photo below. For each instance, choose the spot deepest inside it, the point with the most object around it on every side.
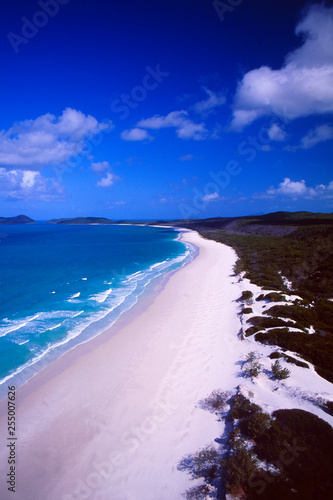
(100, 167)
(315, 136)
(211, 197)
(276, 133)
(302, 87)
(108, 180)
(208, 105)
(47, 140)
(28, 185)
(135, 134)
(185, 127)
(298, 189)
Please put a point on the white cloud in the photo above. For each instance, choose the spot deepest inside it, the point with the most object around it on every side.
(28, 185)
(47, 140)
(208, 105)
(108, 180)
(319, 134)
(173, 119)
(135, 134)
(190, 130)
(100, 167)
(185, 127)
(211, 197)
(298, 189)
(275, 133)
(302, 87)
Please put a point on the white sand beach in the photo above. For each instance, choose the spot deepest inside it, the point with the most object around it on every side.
(112, 419)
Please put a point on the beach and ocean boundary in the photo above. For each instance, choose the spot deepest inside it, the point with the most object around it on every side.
(113, 417)
(84, 302)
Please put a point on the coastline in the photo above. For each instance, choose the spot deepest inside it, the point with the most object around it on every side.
(100, 320)
(121, 408)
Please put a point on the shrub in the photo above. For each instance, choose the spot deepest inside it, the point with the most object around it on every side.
(296, 362)
(268, 322)
(204, 463)
(256, 425)
(240, 466)
(247, 294)
(247, 310)
(251, 331)
(275, 355)
(328, 407)
(275, 297)
(215, 401)
(242, 407)
(253, 367)
(200, 492)
(279, 372)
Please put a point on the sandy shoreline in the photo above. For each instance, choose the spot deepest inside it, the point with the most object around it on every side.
(113, 420)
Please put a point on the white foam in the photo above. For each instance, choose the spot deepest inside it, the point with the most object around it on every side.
(73, 297)
(102, 296)
(17, 325)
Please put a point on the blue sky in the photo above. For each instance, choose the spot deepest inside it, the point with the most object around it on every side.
(165, 109)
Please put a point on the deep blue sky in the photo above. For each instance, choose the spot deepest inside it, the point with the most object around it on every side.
(165, 109)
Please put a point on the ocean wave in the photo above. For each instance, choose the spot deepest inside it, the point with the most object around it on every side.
(110, 305)
(16, 324)
(102, 296)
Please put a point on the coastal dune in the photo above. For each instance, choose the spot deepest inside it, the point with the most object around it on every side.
(111, 419)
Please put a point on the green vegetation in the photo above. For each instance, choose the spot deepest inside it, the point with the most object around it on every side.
(215, 401)
(262, 322)
(279, 372)
(272, 297)
(289, 359)
(240, 465)
(252, 365)
(18, 219)
(275, 355)
(82, 220)
(295, 445)
(247, 310)
(315, 349)
(241, 407)
(247, 295)
(298, 246)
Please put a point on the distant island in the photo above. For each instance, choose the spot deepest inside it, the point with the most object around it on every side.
(18, 219)
(82, 220)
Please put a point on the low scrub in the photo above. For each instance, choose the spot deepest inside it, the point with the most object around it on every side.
(279, 372)
(252, 367)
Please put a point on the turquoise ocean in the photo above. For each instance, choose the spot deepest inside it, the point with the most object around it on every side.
(61, 285)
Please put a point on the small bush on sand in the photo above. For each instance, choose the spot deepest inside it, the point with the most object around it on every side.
(204, 463)
(247, 296)
(275, 355)
(215, 401)
(240, 466)
(279, 372)
(247, 310)
(252, 366)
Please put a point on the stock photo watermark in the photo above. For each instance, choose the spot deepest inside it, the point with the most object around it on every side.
(31, 26)
(287, 457)
(122, 106)
(131, 440)
(221, 179)
(138, 94)
(226, 7)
